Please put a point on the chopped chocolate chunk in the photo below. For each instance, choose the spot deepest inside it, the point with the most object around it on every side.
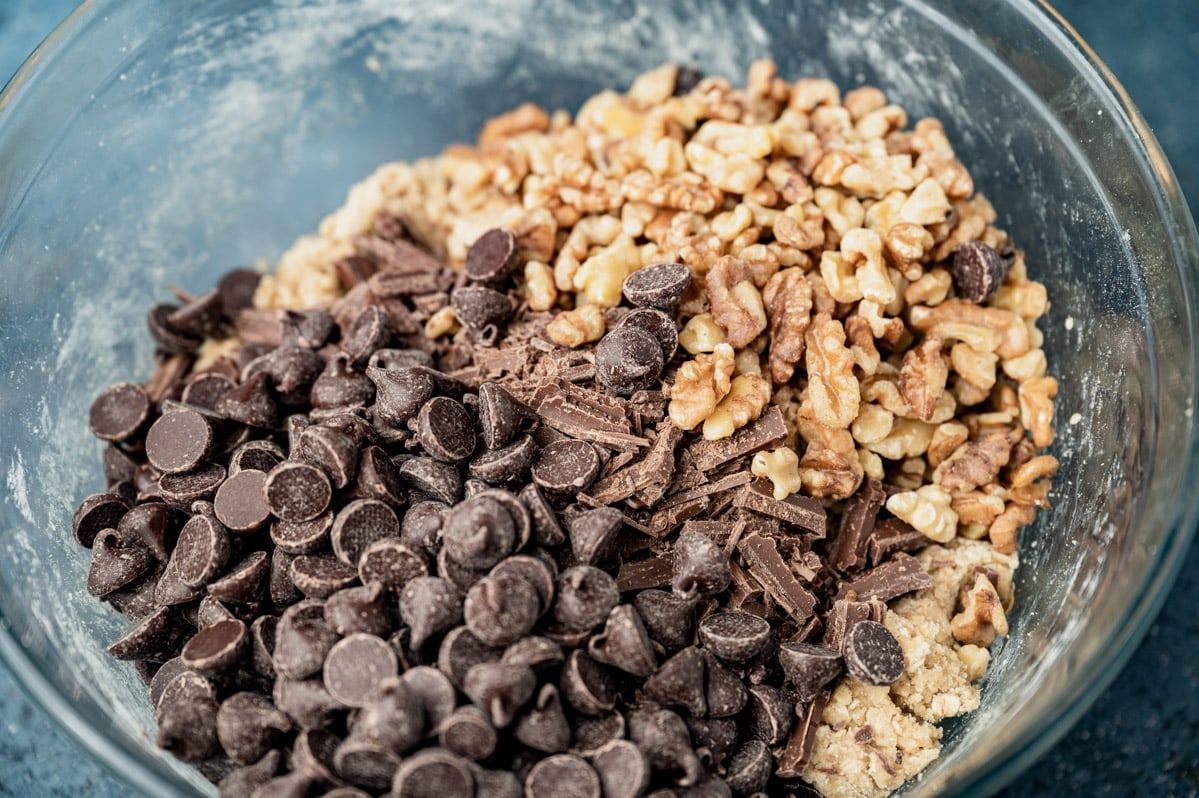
(872, 654)
(793, 759)
(764, 562)
(797, 510)
(628, 359)
(844, 615)
(893, 535)
(902, 574)
(977, 271)
(641, 574)
(857, 526)
(767, 431)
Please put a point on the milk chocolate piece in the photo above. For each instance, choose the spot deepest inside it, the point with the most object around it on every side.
(902, 574)
(797, 510)
(764, 562)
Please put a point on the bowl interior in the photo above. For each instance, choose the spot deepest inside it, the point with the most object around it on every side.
(159, 147)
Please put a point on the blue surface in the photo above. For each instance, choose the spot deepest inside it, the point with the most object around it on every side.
(1142, 736)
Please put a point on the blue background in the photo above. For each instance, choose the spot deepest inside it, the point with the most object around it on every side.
(1142, 736)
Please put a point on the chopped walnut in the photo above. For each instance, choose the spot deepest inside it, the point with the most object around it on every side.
(700, 385)
(442, 322)
(929, 510)
(976, 368)
(982, 616)
(873, 424)
(1040, 467)
(685, 192)
(908, 437)
(701, 333)
(1036, 408)
(781, 467)
(977, 507)
(976, 659)
(747, 397)
(977, 462)
(736, 302)
(926, 205)
(923, 376)
(861, 343)
(830, 466)
(1005, 527)
(833, 391)
(571, 328)
(524, 117)
(986, 329)
(930, 289)
(908, 244)
(540, 291)
(946, 439)
(788, 299)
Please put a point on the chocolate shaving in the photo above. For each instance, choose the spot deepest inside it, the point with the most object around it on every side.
(586, 415)
(655, 469)
(901, 575)
(664, 521)
(893, 535)
(793, 759)
(857, 524)
(642, 574)
(763, 561)
(769, 430)
(804, 512)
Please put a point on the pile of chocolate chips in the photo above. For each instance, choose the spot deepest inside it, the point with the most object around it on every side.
(363, 562)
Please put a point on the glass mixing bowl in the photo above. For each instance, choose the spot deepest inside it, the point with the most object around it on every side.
(151, 143)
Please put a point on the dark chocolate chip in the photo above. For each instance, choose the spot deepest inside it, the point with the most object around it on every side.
(679, 682)
(371, 330)
(686, 79)
(302, 537)
(433, 773)
(217, 648)
(359, 609)
(391, 564)
(293, 370)
(493, 256)
(306, 702)
(872, 654)
(562, 775)
(977, 271)
(593, 733)
(546, 529)
(623, 643)
(178, 441)
(535, 572)
(809, 667)
(395, 713)
(321, 575)
(365, 763)
(479, 532)
(202, 550)
(734, 635)
(566, 466)
(446, 430)
(771, 714)
(660, 286)
(155, 637)
(500, 415)
(211, 612)
(378, 477)
(340, 385)
(400, 393)
(97, 512)
(200, 318)
(724, 691)
(244, 781)
(166, 337)
(663, 737)
(186, 715)
(430, 606)
(481, 310)
(118, 466)
(282, 589)
(258, 455)
(586, 685)
(170, 588)
(262, 644)
(460, 651)
(521, 522)
(585, 597)
(658, 324)
(539, 653)
(461, 576)
(310, 329)
(499, 690)
(627, 360)
(297, 491)
(356, 665)
(501, 609)
(245, 582)
(468, 733)
(668, 619)
(312, 754)
(240, 502)
(205, 390)
(592, 533)
(400, 358)
(115, 564)
(250, 403)
(508, 464)
(297, 784)
(438, 480)
(237, 288)
(332, 450)
(200, 484)
(119, 412)
(622, 768)
(165, 674)
(700, 567)
(359, 524)
(496, 784)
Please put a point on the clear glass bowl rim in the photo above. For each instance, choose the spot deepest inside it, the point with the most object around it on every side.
(1004, 765)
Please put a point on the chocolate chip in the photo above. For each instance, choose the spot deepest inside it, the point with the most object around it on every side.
(977, 271)
(339, 385)
(115, 564)
(478, 533)
(508, 464)
(372, 329)
(186, 715)
(872, 654)
(723, 690)
(446, 430)
(734, 635)
(356, 665)
(301, 646)
(282, 589)
(248, 726)
(658, 324)
(250, 403)
(562, 775)
(291, 785)
(468, 733)
(155, 638)
(335, 452)
(240, 502)
(306, 702)
(433, 773)
(365, 763)
(679, 682)
(536, 572)
(170, 588)
(500, 415)
(166, 337)
(245, 582)
(200, 317)
(179, 441)
(118, 466)
(439, 480)
(297, 491)
(771, 714)
(539, 653)
(359, 524)
(500, 609)
(217, 648)
(312, 754)
(500, 690)
(700, 567)
(400, 393)
(622, 768)
(493, 256)
(592, 533)
(378, 477)
(119, 412)
(809, 667)
(202, 550)
(623, 643)
(460, 651)
(686, 79)
(483, 311)
(627, 360)
(521, 522)
(391, 564)
(585, 597)
(293, 370)
(400, 358)
(496, 784)
(566, 466)
(210, 612)
(660, 286)
(244, 781)
(152, 525)
(586, 685)
(546, 530)
(97, 512)
(663, 737)
(237, 288)
(461, 576)
(302, 537)
(321, 575)
(183, 490)
(262, 644)
(668, 619)
(590, 734)
(429, 606)
(359, 609)
(393, 715)
(257, 455)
